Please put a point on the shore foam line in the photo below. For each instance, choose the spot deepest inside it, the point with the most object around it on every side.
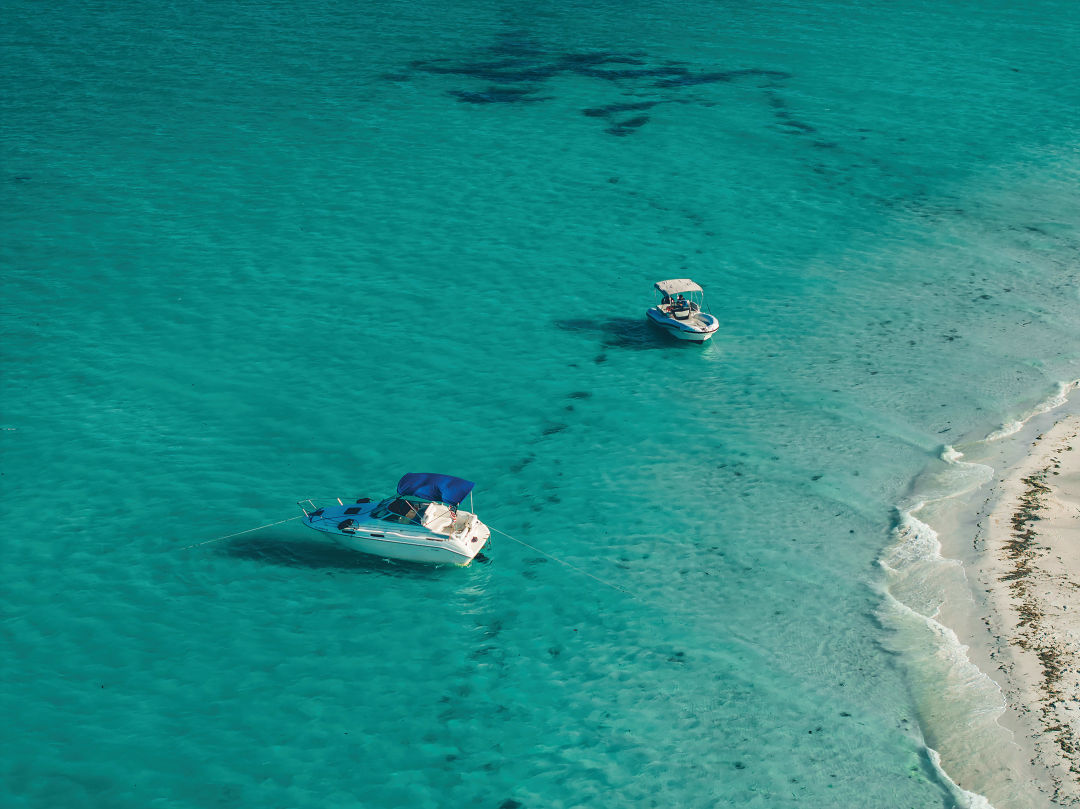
(961, 703)
(967, 800)
(1052, 403)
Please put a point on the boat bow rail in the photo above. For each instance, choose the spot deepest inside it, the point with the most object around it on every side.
(310, 505)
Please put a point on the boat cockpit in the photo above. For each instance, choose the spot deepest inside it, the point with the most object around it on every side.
(680, 308)
(436, 517)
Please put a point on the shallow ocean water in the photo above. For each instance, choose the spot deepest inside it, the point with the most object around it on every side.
(258, 253)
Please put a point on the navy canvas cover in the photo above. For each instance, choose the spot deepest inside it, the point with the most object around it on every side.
(429, 486)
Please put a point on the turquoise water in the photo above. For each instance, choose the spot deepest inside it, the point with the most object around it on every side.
(254, 253)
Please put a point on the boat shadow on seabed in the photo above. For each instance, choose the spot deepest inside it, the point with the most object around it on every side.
(636, 334)
(327, 556)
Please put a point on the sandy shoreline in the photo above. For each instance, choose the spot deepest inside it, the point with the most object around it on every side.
(1027, 563)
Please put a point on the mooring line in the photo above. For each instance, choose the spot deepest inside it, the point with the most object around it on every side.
(238, 533)
(562, 562)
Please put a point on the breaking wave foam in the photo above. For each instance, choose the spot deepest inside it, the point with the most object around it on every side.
(1054, 401)
(967, 800)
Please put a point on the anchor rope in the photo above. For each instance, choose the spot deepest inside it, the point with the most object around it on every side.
(563, 562)
(238, 533)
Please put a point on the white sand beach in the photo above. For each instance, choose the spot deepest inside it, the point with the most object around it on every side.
(1028, 565)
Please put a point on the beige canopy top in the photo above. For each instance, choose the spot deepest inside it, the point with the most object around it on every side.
(677, 285)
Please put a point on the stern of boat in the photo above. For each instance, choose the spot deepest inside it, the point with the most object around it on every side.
(470, 534)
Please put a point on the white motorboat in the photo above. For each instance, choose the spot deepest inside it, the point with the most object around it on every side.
(421, 523)
(681, 311)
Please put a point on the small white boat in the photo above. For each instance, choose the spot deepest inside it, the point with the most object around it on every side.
(681, 311)
(421, 523)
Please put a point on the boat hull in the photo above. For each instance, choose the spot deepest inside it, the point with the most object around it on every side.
(397, 541)
(405, 550)
(696, 329)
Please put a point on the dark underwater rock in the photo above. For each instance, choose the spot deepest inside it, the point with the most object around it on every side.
(693, 79)
(615, 109)
(499, 95)
(628, 127)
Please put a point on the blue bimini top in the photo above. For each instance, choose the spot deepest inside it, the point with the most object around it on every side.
(441, 488)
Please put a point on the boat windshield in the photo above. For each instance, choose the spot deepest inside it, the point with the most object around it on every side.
(399, 510)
